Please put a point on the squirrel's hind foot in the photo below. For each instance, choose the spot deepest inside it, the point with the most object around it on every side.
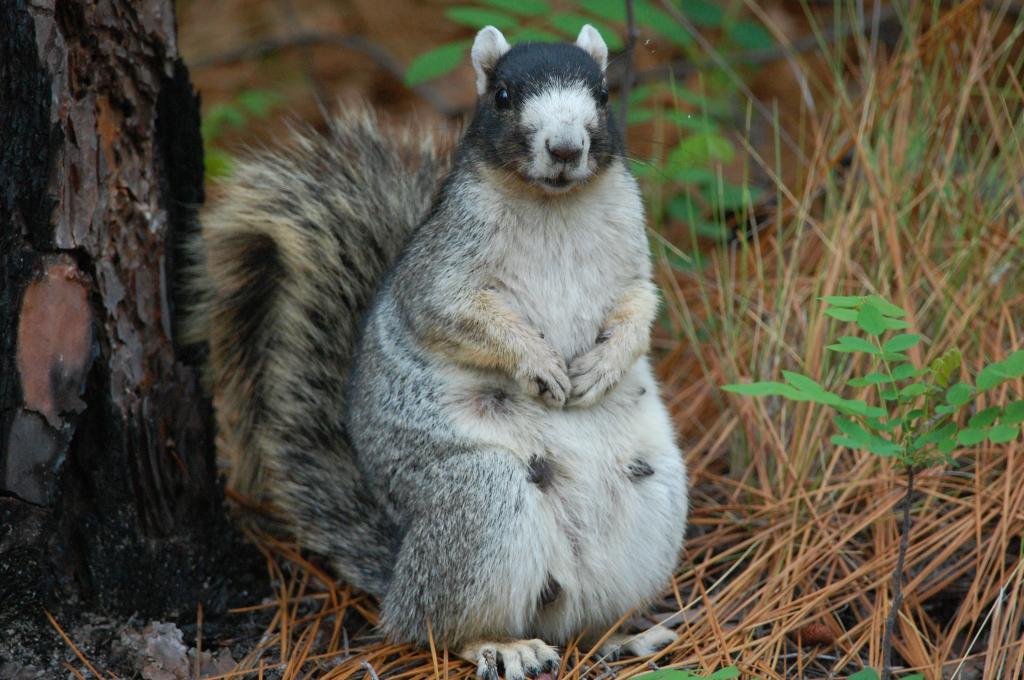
(513, 660)
(650, 641)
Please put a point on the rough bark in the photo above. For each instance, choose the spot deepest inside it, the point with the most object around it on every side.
(108, 487)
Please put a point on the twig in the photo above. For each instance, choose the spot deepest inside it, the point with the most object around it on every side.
(199, 640)
(626, 86)
(897, 580)
(306, 54)
(74, 648)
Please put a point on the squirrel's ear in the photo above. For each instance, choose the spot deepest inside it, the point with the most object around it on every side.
(488, 48)
(591, 42)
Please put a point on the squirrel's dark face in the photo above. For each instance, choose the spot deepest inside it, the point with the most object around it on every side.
(542, 113)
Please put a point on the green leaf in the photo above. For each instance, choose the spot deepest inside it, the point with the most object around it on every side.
(703, 13)
(861, 408)
(842, 313)
(959, 394)
(904, 371)
(945, 365)
(530, 8)
(435, 63)
(899, 343)
(698, 176)
(866, 674)
(855, 344)
(985, 418)
(991, 376)
(727, 673)
(701, 150)
(570, 24)
(870, 379)
(853, 431)
(727, 196)
(802, 382)
(751, 35)
(879, 424)
(883, 447)
(217, 164)
(1002, 434)
(894, 324)
(258, 102)
(1014, 364)
(840, 440)
(842, 300)
(478, 17)
(870, 320)
(970, 436)
(914, 390)
(894, 356)
(612, 10)
(1013, 413)
(914, 414)
(760, 389)
(661, 23)
(884, 307)
(938, 434)
(530, 34)
(946, 445)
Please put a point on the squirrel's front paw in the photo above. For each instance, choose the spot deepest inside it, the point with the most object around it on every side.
(546, 377)
(592, 375)
(519, 659)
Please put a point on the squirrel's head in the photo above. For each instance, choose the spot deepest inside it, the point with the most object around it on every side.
(542, 111)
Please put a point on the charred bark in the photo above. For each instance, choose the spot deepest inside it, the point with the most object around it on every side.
(108, 487)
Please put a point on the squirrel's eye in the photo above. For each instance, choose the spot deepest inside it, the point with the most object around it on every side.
(602, 96)
(502, 98)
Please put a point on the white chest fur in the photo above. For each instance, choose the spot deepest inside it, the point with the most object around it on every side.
(563, 260)
(607, 522)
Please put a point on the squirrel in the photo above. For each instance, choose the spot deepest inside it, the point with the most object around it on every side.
(435, 365)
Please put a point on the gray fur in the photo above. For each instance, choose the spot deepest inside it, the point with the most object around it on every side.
(492, 458)
(290, 258)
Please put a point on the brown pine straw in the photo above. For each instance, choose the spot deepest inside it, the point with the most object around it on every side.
(786, 530)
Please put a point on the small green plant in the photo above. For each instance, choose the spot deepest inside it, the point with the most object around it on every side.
(872, 674)
(916, 417)
(726, 673)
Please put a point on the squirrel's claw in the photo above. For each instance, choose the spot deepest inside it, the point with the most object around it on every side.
(547, 379)
(592, 375)
(519, 660)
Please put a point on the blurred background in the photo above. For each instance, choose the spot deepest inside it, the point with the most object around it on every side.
(699, 65)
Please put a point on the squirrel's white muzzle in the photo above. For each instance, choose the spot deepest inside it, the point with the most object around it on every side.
(559, 118)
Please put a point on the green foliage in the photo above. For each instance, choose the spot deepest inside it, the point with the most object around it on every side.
(919, 420)
(235, 114)
(726, 673)
(436, 62)
(872, 674)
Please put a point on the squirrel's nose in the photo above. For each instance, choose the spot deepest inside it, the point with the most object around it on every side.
(564, 152)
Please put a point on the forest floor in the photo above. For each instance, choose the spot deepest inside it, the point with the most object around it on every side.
(885, 162)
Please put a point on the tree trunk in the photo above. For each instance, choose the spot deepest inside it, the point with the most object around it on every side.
(108, 487)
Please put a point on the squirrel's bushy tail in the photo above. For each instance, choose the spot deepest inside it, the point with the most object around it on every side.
(287, 263)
